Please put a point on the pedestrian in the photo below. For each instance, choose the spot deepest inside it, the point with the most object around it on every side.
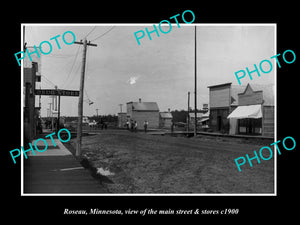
(127, 125)
(135, 126)
(145, 125)
(132, 126)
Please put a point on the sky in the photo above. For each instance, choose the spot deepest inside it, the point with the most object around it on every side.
(160, 70)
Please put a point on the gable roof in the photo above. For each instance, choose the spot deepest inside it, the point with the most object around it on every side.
(166, 115)
(144, 106)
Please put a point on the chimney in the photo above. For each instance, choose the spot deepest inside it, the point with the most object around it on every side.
(140, 100)
(169, 110)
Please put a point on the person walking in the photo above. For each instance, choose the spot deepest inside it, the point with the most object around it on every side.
(145, 126)
(132, 125)
(135, 126)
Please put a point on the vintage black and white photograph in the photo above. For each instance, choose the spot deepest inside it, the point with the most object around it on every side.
(149, 109)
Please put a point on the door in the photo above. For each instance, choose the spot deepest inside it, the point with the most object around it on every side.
(219, 121)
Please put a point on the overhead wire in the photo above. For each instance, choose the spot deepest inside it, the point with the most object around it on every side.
(49, 80)
(87, 64)
(47, 84)
(103, 34)
(69, 74)
(90, 32)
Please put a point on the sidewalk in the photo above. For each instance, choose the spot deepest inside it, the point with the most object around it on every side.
(210, 134)
(57, 171)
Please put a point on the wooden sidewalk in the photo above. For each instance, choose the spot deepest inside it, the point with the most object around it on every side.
(56, 171)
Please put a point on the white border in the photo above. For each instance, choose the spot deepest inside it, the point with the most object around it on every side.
(151, 194)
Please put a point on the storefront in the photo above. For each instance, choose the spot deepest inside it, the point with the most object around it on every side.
(254, 114)
(246, 119)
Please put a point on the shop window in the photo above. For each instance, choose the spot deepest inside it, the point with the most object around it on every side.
(250, 126)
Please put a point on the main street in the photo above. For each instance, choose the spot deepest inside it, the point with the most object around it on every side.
(143, 163)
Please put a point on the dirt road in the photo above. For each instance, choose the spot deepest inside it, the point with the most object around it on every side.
(143, 163)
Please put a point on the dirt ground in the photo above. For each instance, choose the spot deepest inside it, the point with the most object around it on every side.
(143, 163)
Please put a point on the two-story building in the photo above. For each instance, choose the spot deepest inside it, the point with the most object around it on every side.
(143, 111)
(238, 109)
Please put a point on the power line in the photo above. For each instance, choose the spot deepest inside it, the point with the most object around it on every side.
(76, 74)
(87, 67)
(90, 32)
(103, 33)
(72, 65)
(49, 80)
(47, 84)
(59, 56)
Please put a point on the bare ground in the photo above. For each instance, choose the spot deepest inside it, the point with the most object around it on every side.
(144, 163)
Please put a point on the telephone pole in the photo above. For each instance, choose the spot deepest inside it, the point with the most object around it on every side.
(195, 129)
(188, 116)
(80, 102)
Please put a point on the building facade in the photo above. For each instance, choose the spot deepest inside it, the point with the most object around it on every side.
(242, 110)
(143, 111)
(31, 113)
(254, 114)
(165, 119)
(122, 119)
(220, 101)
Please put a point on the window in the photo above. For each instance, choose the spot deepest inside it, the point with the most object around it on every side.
(250, 126)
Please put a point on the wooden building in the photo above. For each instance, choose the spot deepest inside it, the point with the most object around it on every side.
(202, 119)
(242, 110)
(220, 100)
(122, 119)
(143, 111)
(165, 119)
(31, 113)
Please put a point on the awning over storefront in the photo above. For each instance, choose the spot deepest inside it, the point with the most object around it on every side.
(246, 111)
(203, 119)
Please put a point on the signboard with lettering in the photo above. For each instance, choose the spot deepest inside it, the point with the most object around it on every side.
(57, 92)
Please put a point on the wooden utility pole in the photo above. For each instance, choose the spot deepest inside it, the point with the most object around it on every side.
(120, 107)
(58, 113)
(195, 129)
(80, 102)
(188, 115)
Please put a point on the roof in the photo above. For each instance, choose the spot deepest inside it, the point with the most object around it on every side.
(199, 114)
(144, 106)
(219, 85)
(166, 115)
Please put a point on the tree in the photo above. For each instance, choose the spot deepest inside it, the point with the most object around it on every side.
(179, 116)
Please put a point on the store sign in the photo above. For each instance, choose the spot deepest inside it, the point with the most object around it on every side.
(56, 92)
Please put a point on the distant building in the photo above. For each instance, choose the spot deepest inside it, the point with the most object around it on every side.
(202, 119)
(242, 110)
(122, 119)
(141, 111)
(165, 119)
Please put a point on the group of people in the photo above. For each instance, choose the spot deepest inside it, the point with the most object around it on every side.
(101, 124)
(132, 125)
